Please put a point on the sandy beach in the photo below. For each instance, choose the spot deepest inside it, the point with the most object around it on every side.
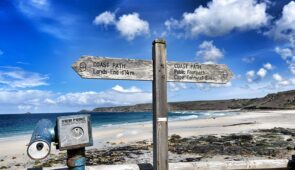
(13, 149)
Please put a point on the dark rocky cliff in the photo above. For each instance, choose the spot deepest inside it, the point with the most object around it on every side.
(281, 100)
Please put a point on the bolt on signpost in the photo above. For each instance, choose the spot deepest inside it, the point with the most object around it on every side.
(159, 71)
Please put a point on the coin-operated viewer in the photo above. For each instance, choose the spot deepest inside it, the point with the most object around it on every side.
(72, 133)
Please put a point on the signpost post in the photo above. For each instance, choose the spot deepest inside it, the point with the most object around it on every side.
(159, 71)
(160, 106)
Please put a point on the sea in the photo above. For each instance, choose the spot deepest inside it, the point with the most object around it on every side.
(12, 125)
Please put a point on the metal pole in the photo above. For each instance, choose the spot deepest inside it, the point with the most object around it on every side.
(76, 159)
(160, 106)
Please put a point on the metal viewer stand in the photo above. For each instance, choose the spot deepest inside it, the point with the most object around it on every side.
(72, 133)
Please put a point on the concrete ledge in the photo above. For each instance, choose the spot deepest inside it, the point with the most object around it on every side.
(214, 165)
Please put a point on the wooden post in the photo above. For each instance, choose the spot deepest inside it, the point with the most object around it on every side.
(160, 106)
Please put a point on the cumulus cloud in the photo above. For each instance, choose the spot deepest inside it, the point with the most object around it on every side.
(250, 75)
(277, 77)
(221, 17)
(284, 26)
(208, 52)
(129, 25)
(105, 18)
(280, 80)
(261, 73)
(16, 77)
(268, 66)
(253, 76)
(285, 53)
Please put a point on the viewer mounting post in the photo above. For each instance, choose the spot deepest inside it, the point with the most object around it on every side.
(160, 106)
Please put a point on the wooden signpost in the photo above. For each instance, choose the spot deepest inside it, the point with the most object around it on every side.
(130, 69)
(159, 71)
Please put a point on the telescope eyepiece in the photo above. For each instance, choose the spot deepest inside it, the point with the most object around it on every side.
(42, 137)
(39, 146)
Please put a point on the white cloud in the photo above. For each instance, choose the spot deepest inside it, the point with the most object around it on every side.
(288, 54)
(292, 81)
(16, 77)
(250, 75)
(23, 97)
(248, 59)
(132, 89)
(131, 25)
(208, 52)
(292, 67)
(285, 53)
(280, 81)
(284, 26)
(277, 77)
(284, 82)
(105, 18)
(20, 101)
(261, 73)
(49, 101)
(221, 17)
(171, 24)
(114, 97)
(268, 66)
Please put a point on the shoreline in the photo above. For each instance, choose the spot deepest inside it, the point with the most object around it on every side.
(25, 134)
(116, 125)
(14, 151)
(176, 125)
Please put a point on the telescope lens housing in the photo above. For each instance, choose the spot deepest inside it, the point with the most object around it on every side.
(40, 144)
(38, 150)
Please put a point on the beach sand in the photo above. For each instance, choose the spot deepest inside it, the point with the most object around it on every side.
(13, 150)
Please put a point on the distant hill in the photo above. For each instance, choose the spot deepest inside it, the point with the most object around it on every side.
(281, 100)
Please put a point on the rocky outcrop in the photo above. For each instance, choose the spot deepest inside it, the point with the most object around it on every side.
(281, 100)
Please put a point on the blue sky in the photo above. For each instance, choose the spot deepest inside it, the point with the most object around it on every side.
(40, 39)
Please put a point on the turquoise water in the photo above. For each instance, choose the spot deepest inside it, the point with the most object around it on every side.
(19, 124)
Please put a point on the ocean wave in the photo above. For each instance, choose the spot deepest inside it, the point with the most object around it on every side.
(190, 117)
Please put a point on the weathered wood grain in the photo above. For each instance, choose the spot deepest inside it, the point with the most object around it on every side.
(113, 68)
(131, 69)
(160, 106)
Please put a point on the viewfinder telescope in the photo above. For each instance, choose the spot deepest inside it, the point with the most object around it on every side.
(72, 133)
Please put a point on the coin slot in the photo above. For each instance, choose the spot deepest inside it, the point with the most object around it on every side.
(77, 132)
